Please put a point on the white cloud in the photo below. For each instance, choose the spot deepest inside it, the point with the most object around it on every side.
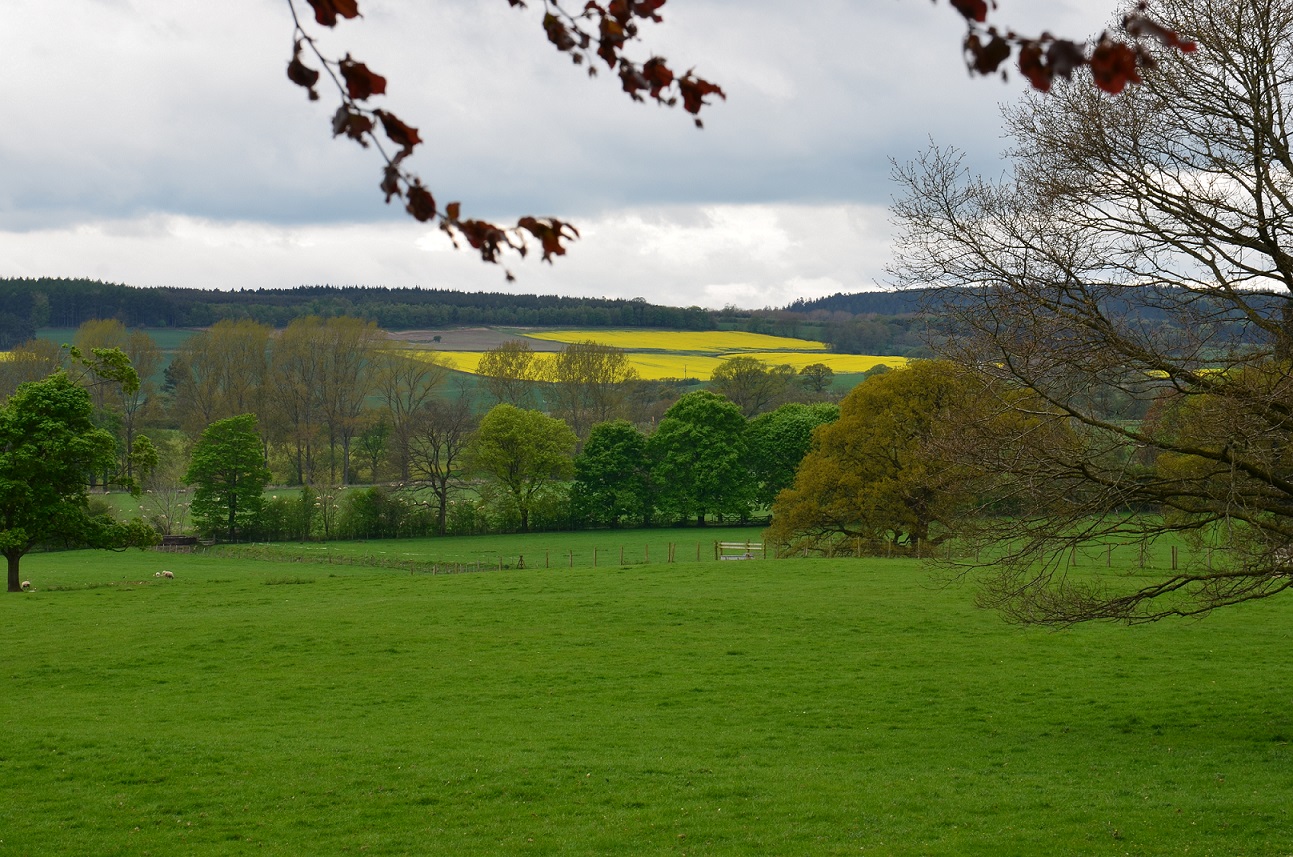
(749, 255)
(155, 142)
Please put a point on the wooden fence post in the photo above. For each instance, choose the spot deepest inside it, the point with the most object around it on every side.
(594, 557)
(545, 559)
(1173, 557)
(1108, 556)
(646, 554)
(621, 554)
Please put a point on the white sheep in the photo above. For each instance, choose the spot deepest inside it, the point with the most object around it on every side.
(25, 585)
(157, 574)
(169, 574)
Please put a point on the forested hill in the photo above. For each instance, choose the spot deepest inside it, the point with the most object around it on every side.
(26, 304)
(864, 303)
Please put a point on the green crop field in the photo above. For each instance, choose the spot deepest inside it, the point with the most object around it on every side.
(790, 707)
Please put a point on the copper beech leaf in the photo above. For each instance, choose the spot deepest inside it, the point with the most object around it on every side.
(354, 125)
(974, 10)
(420, 202)
(404, 136)
(302, 75)
(326, 12)
(1113, 66)
(361, 81)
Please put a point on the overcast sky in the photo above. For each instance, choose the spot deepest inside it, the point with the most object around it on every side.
(158, 142)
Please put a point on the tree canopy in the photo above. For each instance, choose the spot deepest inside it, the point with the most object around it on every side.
(700, 458)
(524, 452)
(871, 475)
(1176, 196)
(50, 448)
(228, 475)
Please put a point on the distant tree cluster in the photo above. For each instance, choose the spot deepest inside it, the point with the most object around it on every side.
(29, 304)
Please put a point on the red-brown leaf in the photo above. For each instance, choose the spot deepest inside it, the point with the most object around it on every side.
(327, 11)
(404, 136)
(974, 10)
(420, 203)
(1113, 66)
(1033, 66)
(658, 75)
(694, 90)
(986, 58)
(557, 32)
(354, 125)
(301, 74)
(361, 81)
(484, 237)
(550, 232)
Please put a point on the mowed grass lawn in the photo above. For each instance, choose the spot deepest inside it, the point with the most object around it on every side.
(789, 707)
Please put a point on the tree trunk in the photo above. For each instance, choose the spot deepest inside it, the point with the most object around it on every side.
(15, 585)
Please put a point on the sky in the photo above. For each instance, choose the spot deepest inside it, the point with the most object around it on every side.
(159, 143)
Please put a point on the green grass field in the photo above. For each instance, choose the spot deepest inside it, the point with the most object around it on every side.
(782, 707)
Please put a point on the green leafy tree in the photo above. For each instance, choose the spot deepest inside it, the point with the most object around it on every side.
(699, 452)
(611, 474)
(779, 440)
(817, 378)
(50, 447)
(751, 383)
(229, 476)
(523, 452)
(871, 474)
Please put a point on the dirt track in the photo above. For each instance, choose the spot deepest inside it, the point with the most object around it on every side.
(467, 339)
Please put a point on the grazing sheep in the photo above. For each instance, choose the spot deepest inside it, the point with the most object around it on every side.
(25, 585)
(157, 574)
(169, 574)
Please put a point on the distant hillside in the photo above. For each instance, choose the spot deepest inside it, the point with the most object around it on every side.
(26, 304)
(864, 303)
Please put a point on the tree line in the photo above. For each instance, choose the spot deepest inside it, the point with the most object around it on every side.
(29, 304)
(333, 402)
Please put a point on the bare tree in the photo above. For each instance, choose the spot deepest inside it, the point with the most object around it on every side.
(1129, 284)
(590, 384)
(220, 373)
(509, 373)
(407, 383)
(440, 432)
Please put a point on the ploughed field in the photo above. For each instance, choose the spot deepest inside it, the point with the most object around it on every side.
(763, 707)
(659, 354)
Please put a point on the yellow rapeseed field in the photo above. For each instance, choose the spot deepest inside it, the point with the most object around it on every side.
(701, 341)
(837, 362)
(654, 365)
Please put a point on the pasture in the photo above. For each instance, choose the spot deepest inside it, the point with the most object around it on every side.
(769, 707)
